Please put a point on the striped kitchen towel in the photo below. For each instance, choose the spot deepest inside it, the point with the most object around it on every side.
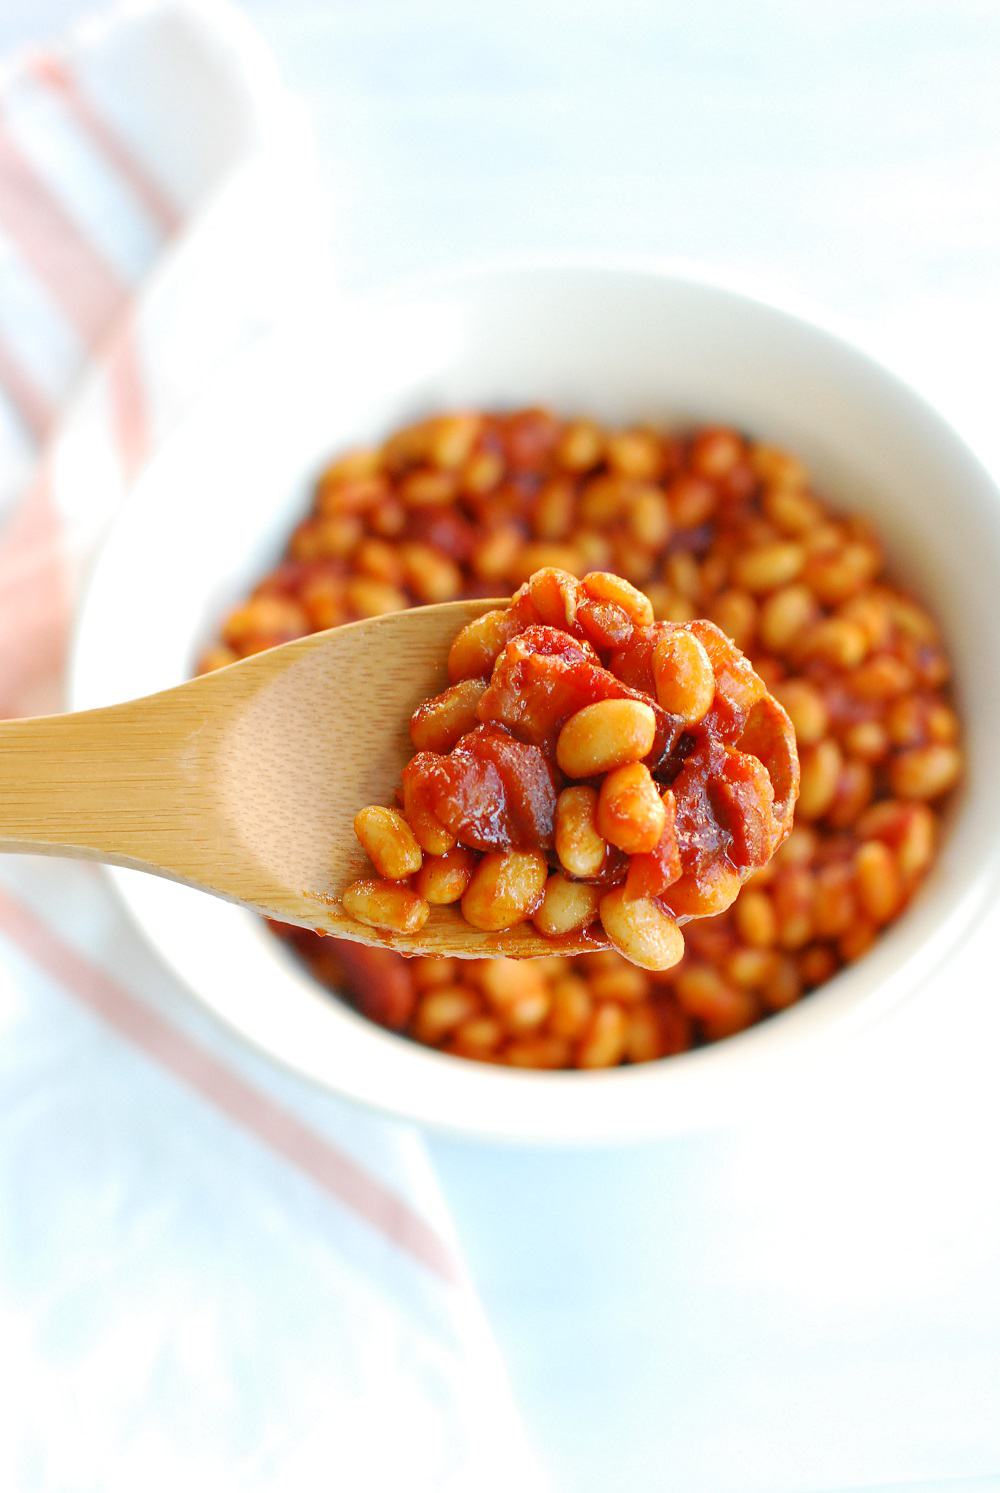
(211, 1275)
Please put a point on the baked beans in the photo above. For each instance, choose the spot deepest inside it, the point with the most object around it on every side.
(672, 513)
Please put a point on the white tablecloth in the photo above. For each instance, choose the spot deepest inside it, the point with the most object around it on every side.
(813, 1303)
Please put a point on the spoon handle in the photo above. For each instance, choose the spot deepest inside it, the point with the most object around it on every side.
(121, 784)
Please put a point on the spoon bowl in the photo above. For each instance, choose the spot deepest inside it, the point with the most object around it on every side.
(245, 782)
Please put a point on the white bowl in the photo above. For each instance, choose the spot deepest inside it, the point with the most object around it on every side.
(212, 510)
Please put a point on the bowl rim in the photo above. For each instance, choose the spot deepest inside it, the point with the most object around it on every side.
(623, 1104)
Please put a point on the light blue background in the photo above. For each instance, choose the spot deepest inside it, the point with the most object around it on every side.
(815, 1302)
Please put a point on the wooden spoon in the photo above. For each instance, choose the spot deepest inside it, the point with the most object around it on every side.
(245, 782)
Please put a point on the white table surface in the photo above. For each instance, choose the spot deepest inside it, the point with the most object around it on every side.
(813, 1303)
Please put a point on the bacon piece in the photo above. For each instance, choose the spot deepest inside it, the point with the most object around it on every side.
(380, 983)
(493, 791)
(742, 796)
(544, 676)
